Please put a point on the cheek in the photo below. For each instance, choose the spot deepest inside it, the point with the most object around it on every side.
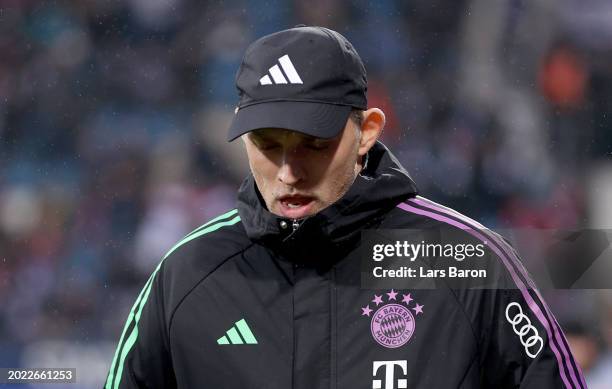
(340, 176)
(264, 171)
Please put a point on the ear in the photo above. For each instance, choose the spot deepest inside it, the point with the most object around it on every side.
(371, 128)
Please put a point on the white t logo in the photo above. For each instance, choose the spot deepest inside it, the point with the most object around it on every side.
(389, 375)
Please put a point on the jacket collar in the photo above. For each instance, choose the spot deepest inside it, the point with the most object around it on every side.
(381, 185)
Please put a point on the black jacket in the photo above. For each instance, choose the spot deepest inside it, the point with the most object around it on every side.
(250, 300)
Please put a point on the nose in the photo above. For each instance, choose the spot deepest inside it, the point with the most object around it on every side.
(291, 171)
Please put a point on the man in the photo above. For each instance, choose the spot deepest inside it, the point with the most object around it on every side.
(269, 295)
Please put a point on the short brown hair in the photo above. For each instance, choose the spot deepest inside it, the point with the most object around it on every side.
(356, 116)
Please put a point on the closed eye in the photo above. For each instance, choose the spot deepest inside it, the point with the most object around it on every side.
(317, 146)
(264, 144)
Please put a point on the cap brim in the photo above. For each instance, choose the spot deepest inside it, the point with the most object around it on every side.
(315, 119)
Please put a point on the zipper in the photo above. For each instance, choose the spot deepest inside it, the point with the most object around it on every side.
(295, 225)
(284, 225)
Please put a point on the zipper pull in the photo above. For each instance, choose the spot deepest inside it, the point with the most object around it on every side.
(295, 225)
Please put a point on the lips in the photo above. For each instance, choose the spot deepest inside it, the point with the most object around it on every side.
(295, 206)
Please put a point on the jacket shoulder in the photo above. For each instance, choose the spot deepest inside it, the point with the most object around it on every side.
(420, 213)
(199, 254)
(210, 242)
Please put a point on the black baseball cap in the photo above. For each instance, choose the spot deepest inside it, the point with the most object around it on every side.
(305, 79)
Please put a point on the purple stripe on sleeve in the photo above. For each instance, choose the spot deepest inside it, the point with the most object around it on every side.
(558, 334)
(530, 302)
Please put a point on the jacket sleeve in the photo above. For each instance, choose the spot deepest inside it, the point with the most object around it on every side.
(142, 358)
(523, 346)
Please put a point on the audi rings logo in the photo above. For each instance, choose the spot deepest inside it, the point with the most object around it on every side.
(522, 326)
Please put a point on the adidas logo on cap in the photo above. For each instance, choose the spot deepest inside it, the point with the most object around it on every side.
(277, 74)
(305, 79)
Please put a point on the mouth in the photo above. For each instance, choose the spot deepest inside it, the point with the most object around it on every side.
(295, 206)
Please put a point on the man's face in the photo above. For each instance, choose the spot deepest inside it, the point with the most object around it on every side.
(299, 175)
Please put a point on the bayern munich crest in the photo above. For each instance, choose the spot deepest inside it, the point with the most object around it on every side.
(392, 321)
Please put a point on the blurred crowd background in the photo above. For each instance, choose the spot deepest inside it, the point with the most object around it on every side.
(112, 141)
